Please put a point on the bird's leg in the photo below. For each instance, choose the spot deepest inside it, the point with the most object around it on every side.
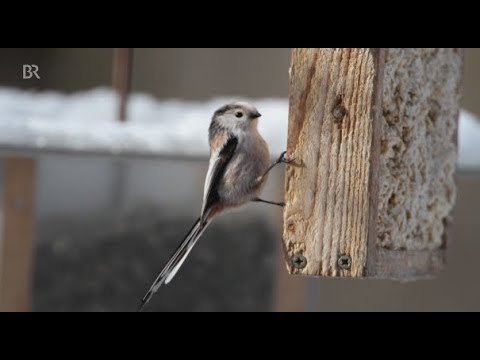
(281, 204)
(281, 159)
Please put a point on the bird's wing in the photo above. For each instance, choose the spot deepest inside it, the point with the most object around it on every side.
(216, 169)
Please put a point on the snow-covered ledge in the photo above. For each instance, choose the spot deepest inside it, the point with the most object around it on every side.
(84, 123)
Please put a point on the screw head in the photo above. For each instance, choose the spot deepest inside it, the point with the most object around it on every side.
(299, 261)
(344, 262)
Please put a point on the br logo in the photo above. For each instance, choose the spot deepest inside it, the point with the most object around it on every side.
(29, 71)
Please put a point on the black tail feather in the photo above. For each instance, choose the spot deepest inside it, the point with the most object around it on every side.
(145, 300)
(177, 257)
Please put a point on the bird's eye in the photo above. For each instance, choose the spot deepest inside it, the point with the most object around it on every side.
(238, 114)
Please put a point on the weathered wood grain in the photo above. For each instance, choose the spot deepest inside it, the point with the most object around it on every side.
(331, 131)
(373, 133)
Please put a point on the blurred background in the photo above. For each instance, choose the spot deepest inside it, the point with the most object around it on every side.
(105, 225)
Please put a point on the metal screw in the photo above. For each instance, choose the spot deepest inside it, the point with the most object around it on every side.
(344, 262)
(299, 261)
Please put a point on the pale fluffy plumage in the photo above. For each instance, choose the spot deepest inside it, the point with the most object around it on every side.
(240, 183)
(239, 161)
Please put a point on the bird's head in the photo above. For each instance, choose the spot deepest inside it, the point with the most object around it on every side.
(237, 115)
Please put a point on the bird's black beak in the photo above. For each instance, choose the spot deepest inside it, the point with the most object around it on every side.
(256, 114)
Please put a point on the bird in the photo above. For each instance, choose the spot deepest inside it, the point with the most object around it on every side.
(238, 169)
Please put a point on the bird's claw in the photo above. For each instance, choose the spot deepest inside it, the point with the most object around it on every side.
(285, 159)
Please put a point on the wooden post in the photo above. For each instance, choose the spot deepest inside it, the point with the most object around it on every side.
(122, 82)
(373, 135)
(122, 78)
(290, 294)
(16, 239)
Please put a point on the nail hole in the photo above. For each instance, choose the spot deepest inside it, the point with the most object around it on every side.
(339, 112)
(291, 227)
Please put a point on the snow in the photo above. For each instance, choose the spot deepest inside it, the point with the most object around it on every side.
(468, 141)
(84, 122)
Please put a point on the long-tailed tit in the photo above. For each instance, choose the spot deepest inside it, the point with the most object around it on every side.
(238, 168)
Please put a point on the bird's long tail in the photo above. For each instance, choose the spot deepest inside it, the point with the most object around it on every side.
(176, 260)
